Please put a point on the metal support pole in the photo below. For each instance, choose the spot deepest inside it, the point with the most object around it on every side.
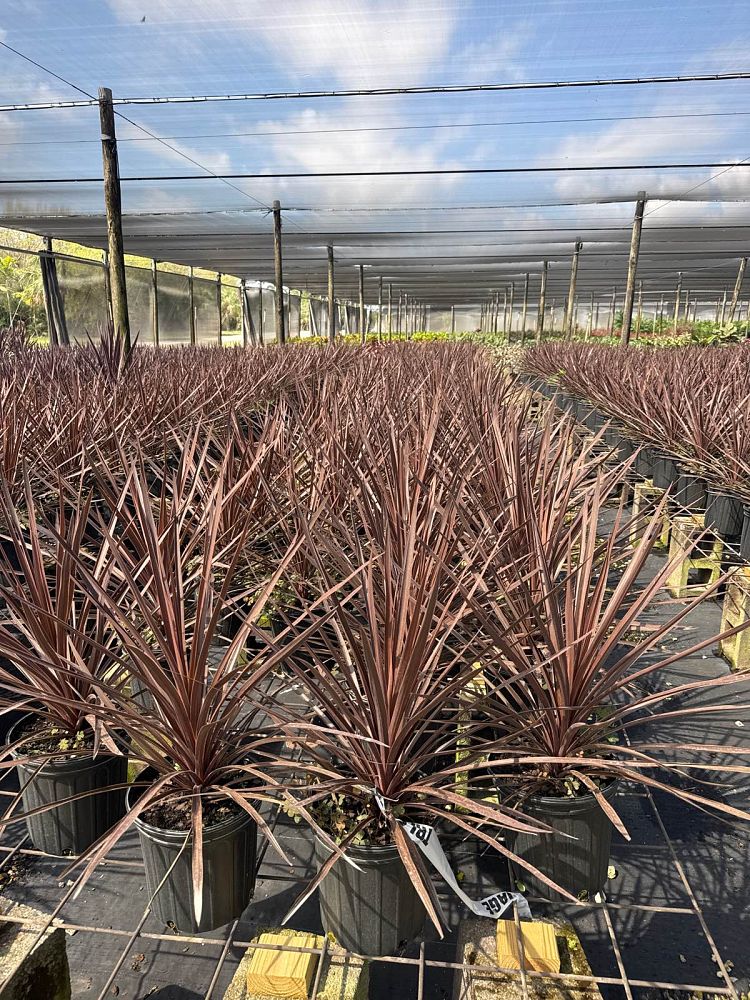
(278, 275)
(113, 206)
(218, 305)
(453, 321)
(191, 304)
(525, 307)
(331, 300)
(568, 321)
(635, 247)
(612, 310)
(542, 295)
(380, 308)
(362, 324)
(677, 300)
(639, 314)
(722, 318)
(590, 327)
(155, 303)
(390, 310)
(737, 290)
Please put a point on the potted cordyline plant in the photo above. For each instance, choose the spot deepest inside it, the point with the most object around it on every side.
(54, 647)
(199, 736)
(386, 678)
(576, 726)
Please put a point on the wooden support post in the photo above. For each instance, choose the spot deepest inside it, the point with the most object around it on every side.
(590, 326)
(390, 310)
(155, 304)
(331, 300)
(278, 275)
(596, 317)
(677, 300)
(661, 311)
(362, 323)
(540, 312)
(568, 316)
(380, 308)
(737, 290)
(113, 206)
(552, 318)
(49, 308)
(525, 307)
(635, 247)
(453, 321)
(191, 303)
(505, 314)
(218, 307)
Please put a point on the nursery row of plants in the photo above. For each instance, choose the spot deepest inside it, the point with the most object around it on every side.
(687, 409)
(366, 586)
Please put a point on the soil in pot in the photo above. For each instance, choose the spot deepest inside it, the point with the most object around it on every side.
(229, 855)
(578, 865)
(373, 911)
(724, 514)
(72, 827)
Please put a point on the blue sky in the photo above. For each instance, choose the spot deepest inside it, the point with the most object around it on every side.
(164, 47)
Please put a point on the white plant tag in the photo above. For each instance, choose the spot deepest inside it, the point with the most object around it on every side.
(426, 838)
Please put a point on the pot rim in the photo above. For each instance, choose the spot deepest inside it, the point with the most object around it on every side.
(177, 837)
(82, 761)
(584, 801)
(365, 852)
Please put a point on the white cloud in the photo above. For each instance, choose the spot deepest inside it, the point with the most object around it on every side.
(351, 41)
(353, 151)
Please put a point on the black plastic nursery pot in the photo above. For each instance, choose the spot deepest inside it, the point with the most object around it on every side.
(666, 472)
(72, 827)
(644, 463)
(229, 856)
(724, 514)
(745, 536)
(372, 911)
(578, 865)
(690, 492)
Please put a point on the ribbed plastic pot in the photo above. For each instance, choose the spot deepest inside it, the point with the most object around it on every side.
(371, 911)
(595, 420)
(578, 865)
(229, 853)
(690, 492)
(74, 826)
(625, 448)
(724, 514)
(745, 536)
(666, 472)
(644, 463)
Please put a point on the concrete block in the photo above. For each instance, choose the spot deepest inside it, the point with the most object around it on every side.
(477, 946)
(736, 611)
(697, 564)
(342, 977)
(30, 971)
